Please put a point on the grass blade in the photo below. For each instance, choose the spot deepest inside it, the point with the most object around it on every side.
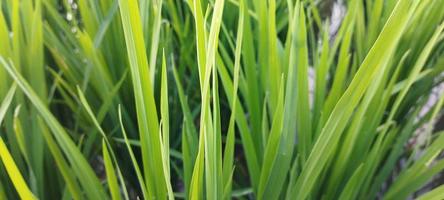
(81, 168)
(148, 123)
(110, 173)
(14, 173)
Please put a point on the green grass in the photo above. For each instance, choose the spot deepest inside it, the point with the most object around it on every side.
(212, 99)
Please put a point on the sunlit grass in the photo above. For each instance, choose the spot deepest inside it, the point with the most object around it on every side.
(212, 99)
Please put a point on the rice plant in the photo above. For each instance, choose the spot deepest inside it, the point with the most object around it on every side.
(221, 99)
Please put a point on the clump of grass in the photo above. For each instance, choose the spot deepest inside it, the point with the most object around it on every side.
(212, 99)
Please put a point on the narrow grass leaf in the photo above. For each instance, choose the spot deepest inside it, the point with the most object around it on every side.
(14, 173)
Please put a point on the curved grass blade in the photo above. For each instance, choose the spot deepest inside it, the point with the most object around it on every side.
(81, 167)
(112, 158)
(133, 158)
(376, 60)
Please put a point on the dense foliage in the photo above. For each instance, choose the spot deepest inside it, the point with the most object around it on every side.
(219, 99)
